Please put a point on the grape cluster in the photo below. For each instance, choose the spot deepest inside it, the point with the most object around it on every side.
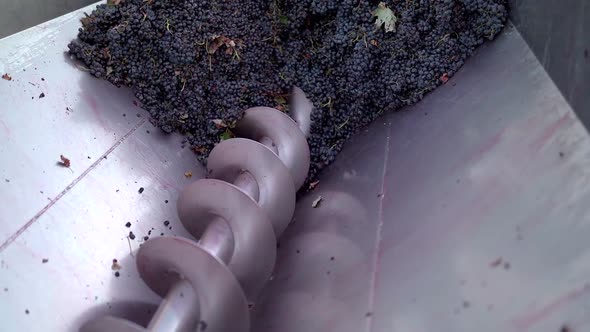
(196, 65)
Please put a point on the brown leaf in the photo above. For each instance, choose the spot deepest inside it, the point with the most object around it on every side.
(215, 45)
(200, 149)
(316, 202)
(219, 123)
(106, 53)
(65, 162)
(86, 20)
(444, 78)
(188, 174)
(496, 263)
(7, 77)
(116, 266)
(218, 41)
(313, 185)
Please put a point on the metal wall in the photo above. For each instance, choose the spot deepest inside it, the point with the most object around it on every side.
(54, 275)
(558, 32)
(466, 212)
(17, 15)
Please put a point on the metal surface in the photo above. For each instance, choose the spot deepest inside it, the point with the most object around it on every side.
(265, 124)
(216, 238)
(557, 32)
(109, 323)
(223, 306)
(277, 191)
(236, 238)
(19, 15)
(179, 310)
(247, 183)
(75, 218)
(474, 214)
(301, 108)
(253, 256)
(237, 242)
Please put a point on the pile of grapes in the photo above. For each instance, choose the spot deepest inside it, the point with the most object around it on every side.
(196, 65)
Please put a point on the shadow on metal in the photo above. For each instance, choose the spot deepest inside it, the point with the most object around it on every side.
(137, 312)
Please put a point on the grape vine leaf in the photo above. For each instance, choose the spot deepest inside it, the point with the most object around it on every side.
(284, 20)
(227, 134)
(385, 17)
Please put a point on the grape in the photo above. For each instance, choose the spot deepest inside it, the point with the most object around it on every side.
(191, 62)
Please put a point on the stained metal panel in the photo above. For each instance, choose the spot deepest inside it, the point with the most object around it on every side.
(471, 214)
(75, 218)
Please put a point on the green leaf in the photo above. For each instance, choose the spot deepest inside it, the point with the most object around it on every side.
(284, 20)
(385, 17)
(227, 134)
(280, 100)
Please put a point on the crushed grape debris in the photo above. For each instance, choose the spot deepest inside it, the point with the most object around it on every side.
(65, 162)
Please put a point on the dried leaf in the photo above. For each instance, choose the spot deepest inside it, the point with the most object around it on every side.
(106, 53)
(496, 262)
(217, 41)
(444, 78)
(313, 185)
(65, 162)
(109, 70)
(116, 266)
(86, 20)
(280, 100)
(188, 174)
(316, 202)
(82, 68)
(219, 123)
(281, 103)
(385, 18)
(113, 2)
(200, 149)
(7, 77)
